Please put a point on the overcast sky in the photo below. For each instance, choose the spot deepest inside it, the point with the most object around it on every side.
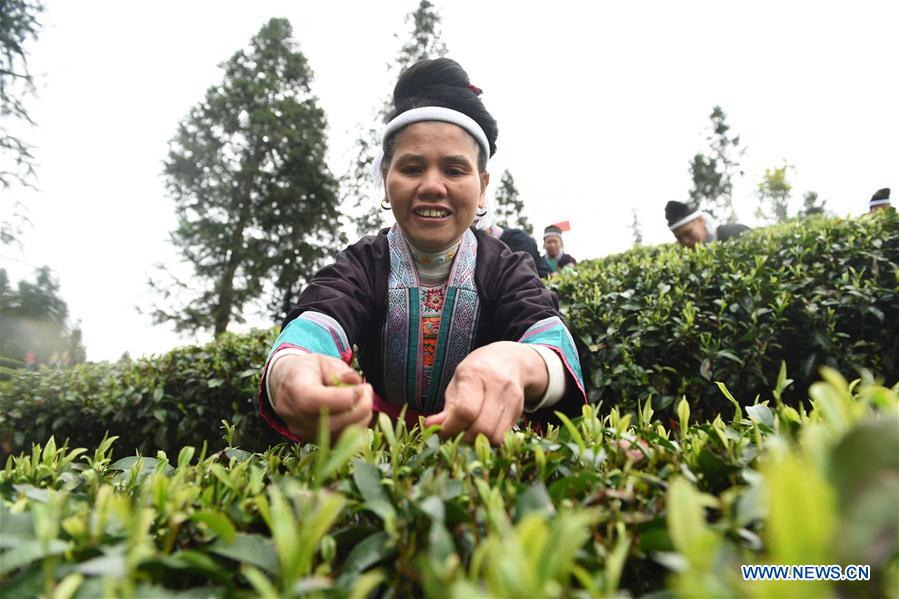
(600, 107)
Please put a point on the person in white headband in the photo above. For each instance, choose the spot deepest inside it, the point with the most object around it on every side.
(692, 226)
(555, 250)
(880, 200)
(450, 325)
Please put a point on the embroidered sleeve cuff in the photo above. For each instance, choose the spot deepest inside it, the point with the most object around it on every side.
(287, 351)
(555, 386)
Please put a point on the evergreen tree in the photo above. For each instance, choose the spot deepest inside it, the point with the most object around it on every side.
(256, 205)
(357, 190)
(33, 319)
(713, 174)
(636, 229)
(811, 206)
(774, 194)
(76, 350)
(508, 207)
(18, 25)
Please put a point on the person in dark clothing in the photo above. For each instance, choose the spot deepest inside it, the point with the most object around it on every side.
(450, 325)
(692, 226)
(520, 241)
(555, 250)
(880, 200)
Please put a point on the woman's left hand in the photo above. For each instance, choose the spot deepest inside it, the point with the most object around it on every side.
(487, 392)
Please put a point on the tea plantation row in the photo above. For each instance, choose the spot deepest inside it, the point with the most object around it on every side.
(666, 322)
(597, 507)
(659, 323)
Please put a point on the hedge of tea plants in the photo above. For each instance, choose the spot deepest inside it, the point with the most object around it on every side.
(169, 485)
(665, 321)
(654, 323)
(164, 402)
(613, 505)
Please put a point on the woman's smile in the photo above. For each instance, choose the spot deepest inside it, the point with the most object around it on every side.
(432, 214)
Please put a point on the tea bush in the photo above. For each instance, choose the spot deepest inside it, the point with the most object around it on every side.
(666, 321)
(659, 322)
(164, 402)
(619, 504)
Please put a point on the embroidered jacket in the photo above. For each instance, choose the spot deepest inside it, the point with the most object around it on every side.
(371, 297)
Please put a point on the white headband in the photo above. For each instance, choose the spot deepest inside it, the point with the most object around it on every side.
(428, 113)
(552, 234)
(438, 113)
(685, 220)
(879, 202)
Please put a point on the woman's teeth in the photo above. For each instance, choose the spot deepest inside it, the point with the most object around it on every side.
(432, 212)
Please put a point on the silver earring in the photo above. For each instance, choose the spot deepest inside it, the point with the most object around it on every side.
(385, 205)
(481, 212)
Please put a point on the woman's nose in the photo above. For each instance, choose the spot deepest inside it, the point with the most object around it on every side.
(432, 183)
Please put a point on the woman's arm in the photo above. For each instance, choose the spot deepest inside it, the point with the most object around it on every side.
(334, 310)
(520, 308)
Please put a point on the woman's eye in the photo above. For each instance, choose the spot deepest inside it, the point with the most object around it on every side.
(410, 170)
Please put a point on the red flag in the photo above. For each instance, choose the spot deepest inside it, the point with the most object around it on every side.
(564, 225)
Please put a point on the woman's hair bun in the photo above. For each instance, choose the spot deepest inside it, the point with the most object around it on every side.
(442, 82)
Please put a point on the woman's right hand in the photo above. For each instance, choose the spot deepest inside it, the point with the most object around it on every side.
(304, 385)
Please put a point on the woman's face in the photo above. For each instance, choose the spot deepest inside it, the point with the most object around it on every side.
(433, 184)
(688, 235)
(552, 245)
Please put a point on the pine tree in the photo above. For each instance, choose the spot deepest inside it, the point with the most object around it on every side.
(636, 229)
(357, 190)
(713, 174)
(257, 207)
(76, 350)
(508, 207)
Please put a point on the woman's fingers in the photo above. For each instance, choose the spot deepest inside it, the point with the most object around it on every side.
(439, 418)
(306, 426)
(485, 396)
(509, 417)
(487, 420)
(359, 414)
(365, 408)
(310, 384)
(464, 398)
(314, 382)
(335, 372)
(350, 377)
(334, 399)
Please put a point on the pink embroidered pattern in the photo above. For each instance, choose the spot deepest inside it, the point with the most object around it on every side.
(433, 298)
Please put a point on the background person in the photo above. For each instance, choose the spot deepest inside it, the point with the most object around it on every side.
(449, 323)
(880, 200)
(519, 241)
(692, 226)
(555, 249)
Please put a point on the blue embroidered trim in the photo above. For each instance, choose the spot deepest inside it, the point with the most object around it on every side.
(552, 332)
(317, 332)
